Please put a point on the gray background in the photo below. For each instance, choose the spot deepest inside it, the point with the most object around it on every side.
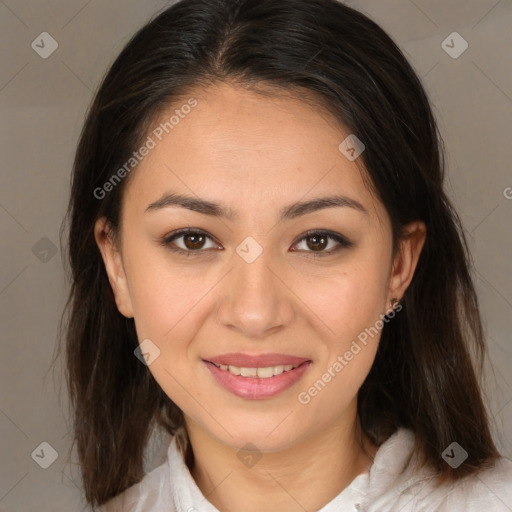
(43, 104)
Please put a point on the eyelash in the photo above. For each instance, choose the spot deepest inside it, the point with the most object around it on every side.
(342, 241)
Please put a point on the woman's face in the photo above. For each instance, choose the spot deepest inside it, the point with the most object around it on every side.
(251, 290)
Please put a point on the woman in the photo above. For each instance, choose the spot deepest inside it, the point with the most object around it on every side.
(265, 265)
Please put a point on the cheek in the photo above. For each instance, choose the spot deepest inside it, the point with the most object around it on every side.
(350, 303)
(168, 309)
(162, 293)
(351, 307)
(348, 300)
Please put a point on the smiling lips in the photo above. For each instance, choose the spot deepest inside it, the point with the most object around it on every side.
(263, 366)
(257, 376)
(261, 361)
(261, 373)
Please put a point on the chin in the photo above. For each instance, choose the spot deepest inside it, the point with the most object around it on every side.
(269, 433)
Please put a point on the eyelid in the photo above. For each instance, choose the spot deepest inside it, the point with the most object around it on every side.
(167, 239)
(342, 241)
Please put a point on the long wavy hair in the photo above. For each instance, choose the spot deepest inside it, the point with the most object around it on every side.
(427, 373)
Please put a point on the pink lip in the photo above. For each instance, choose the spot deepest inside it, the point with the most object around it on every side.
(261, 361)
(255, 388)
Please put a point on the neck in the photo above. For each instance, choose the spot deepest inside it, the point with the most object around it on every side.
(304, 476)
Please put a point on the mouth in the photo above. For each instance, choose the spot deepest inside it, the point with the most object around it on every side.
(257, 377)
(265, 372)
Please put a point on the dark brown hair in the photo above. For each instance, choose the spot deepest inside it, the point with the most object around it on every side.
(426, 374)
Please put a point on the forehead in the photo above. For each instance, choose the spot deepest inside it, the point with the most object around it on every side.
(244, 146)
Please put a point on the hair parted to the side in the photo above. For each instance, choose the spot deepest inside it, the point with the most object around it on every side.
(427, 368)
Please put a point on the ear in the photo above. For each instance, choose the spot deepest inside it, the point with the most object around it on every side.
(114, 266)
(406, 259)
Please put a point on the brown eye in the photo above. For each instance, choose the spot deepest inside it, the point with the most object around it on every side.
(193, 241)
(188, 241)
(317, 241)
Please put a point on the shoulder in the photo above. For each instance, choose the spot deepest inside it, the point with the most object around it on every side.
(488, 490)
(395, 484)
(150, 494)
(165, 488)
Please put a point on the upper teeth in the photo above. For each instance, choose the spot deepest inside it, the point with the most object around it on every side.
(262, 373)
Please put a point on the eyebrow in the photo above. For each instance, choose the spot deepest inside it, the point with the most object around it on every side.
(289, 212)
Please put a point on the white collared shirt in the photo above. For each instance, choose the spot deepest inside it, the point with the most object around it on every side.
(389, 486)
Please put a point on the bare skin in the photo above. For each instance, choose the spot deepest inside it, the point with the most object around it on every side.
(256, 155)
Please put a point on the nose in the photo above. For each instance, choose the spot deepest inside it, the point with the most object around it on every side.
(255, 298)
